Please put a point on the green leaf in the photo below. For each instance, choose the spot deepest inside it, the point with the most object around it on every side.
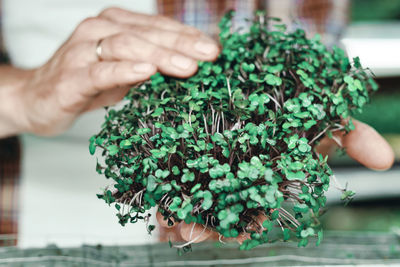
(176, 202)
(307, 125)
(125, 144)
(151, 183)
(292, 142)
(302, 208)
(268, 225)
(113, 150)
(157, 112)
(248, 67)
(275, 69)
(303, 242)
(254, 77)
(268, 175)
(348, 79)
(162, 173)
(307, 232)
(192, 163)
(195, 188)
(273, 80)
(295, 175)
(92, 147)
(142, 131)
(158, 153)
(175, 170)
(286, 234)
(187, 177)
(207, 203)
(216, 171)
(99, 141)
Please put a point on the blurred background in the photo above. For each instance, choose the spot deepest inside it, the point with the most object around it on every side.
(373, 34)
(48, 186)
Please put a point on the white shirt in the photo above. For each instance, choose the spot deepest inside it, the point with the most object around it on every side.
(59, 182)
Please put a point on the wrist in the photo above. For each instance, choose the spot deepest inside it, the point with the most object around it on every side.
(12, 114)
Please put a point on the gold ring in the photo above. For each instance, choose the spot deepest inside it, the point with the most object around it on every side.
(99, 50)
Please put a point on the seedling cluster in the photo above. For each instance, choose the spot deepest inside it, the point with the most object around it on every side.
(236, 140)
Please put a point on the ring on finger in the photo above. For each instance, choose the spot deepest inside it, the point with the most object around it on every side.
(99, 50)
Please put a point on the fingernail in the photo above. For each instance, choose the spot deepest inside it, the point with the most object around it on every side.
(205, 47)
(181, 62)
(142, 67)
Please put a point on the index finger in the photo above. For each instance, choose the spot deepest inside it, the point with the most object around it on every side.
(127, 17)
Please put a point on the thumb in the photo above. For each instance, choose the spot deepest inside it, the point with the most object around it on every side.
(367, 146)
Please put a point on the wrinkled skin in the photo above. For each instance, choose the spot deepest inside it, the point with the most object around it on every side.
(46, 100)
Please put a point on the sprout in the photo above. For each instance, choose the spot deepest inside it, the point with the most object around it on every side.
(236, 140)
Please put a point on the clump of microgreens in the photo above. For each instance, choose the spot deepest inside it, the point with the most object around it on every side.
(237, 139)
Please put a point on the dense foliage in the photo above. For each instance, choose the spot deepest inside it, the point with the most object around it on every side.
(237, 139)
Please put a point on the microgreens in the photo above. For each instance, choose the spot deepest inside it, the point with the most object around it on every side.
(237, 139)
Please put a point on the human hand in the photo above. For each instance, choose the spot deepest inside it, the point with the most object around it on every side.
(133, 47)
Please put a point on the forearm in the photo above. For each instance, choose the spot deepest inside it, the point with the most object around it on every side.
(11, 81)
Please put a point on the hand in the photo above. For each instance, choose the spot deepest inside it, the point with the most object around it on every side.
(134, 47)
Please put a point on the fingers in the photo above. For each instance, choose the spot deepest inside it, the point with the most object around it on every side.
(196, 46)
(130, 18)
(106, 75)
(189, 232)
(129, 47)
(198, 233)
(172, 47)
(366, 146)
(195, 232)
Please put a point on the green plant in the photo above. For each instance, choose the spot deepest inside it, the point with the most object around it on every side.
(237, 139)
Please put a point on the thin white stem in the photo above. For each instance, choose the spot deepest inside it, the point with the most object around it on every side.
(229, 88)
(289, 216)
(213, 122)
(220, 238)
(162, 94)
(190, 117)
(123, 208)
(191, 231)
(280, 225)
(319, 135)
(274, 100)
(236, 126)
(205, 124)
(218, 121)
(337, 140)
